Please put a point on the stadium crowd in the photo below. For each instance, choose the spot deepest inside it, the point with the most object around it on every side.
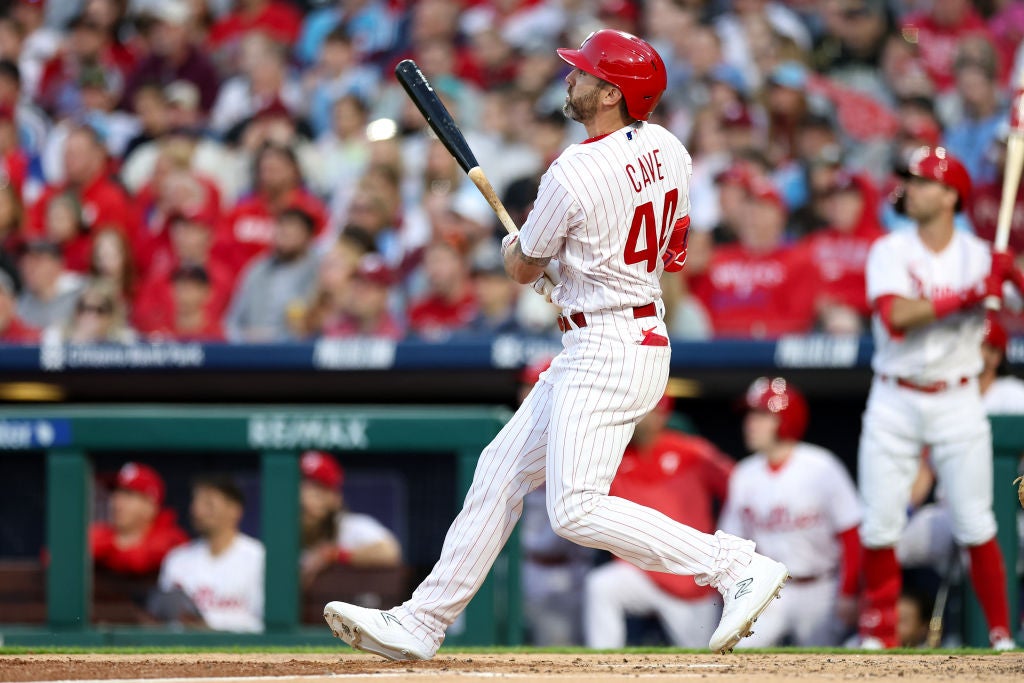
(250, 171)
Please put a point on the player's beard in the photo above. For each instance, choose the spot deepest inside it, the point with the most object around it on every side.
(583, 108)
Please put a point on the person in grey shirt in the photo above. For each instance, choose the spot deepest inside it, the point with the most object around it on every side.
(50, 292)
(275, 287)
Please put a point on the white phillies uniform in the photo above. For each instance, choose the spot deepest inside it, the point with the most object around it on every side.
(899, 420)
(1005, 396)
(794, 513)
(605, 209)
(227, 588)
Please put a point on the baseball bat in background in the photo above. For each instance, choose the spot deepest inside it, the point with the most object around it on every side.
(450, 135)
(1011, 176)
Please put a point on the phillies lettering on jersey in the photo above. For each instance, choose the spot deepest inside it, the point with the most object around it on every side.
(900, 264)
(793, 512)
(606, 209)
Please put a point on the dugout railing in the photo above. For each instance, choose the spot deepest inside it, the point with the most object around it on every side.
(276, 435)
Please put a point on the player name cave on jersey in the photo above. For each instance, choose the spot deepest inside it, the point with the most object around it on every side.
(646, 171)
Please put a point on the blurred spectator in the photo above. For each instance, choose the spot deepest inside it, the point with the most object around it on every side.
(520, 22)
(99, 317)
(173, 56)
(66, 227)
(140, 531)
(365, 312)
(746, 33)
(1001, 392)
(683, 477)
(759, 287)
(450, 302)
(344, 149)
(331, 533)
(50, 292)
(41, 42)
(263, 78)
(853, 41)
(337, 74)
(111, 260)
(274, 285)
(149, 105)
(191, 236)
(220, 574)
(32, 123)
(937, 32)
(191, 314)
(14, 162)
(981, 113)
(496, 294)
(85, 177)
(209, 158)
(12, 216)
(904, 74)
(840, 253)
(276, 19)
(12, 329)
(330, 302)
(248, 228)
(983, 205)
(369, 22)
(84, 47)
(798, 503)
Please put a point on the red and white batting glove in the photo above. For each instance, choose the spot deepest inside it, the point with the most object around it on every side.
(675, 257)
(507, 242)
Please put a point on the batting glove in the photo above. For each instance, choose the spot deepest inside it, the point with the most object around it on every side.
(507, 242)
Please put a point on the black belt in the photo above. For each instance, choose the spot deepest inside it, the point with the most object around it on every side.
(580, 320)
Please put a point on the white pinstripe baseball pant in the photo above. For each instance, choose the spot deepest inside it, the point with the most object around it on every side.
(573, 427)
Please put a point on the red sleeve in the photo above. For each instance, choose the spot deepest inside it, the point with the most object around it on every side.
(145, 558)
(849, 571)
(883, 305)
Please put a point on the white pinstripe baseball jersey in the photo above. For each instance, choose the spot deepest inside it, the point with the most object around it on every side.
(605, 210)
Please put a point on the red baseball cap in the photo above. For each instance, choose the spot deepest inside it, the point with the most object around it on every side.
(372, 269)
(134, 476)
(322, 468)
(765, 191)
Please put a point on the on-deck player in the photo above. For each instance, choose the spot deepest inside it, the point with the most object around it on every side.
(797, 502)
(613, 210)
(926, 287)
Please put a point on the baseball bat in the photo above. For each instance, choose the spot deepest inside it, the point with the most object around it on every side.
(1011, 177)
(936, 623)
(448, 132)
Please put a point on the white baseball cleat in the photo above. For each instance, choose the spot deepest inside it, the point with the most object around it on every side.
(376, 631)
(1004, 645)
(761, 581)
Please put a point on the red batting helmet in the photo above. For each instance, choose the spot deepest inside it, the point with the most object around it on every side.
(936, 163)
(625, 61)
(779, 397)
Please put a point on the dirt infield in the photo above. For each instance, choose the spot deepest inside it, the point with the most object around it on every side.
(298, 668)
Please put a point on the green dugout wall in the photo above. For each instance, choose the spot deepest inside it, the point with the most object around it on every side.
(276, 436)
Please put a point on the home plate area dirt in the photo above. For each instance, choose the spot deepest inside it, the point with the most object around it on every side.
(563, 668)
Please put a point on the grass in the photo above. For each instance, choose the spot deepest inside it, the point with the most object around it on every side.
(17, 650)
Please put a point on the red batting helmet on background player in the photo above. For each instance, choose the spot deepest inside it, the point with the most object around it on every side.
(936, 163)
(777, 396)
(625, 61)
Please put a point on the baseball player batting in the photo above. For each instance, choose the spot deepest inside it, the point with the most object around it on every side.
(927, 287)
(613, 211)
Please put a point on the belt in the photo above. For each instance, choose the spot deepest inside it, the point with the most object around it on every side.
(580, 320)
(930, 388)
